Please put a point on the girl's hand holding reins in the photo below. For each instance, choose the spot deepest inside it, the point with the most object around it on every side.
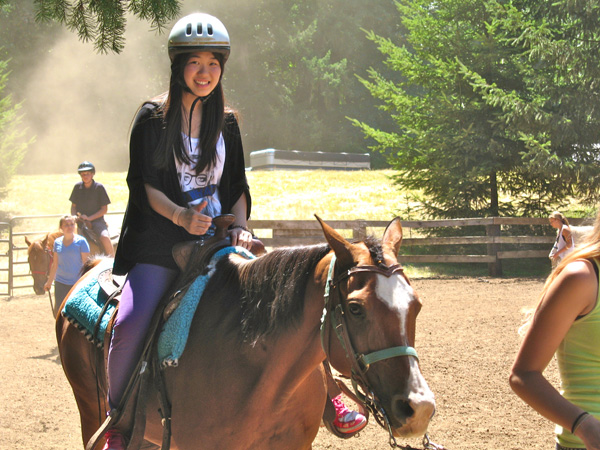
(589, 432)
(192, 220)
(48, 285)
(240, 236)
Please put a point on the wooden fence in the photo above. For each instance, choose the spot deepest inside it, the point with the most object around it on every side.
(275, 233)
(494, 234)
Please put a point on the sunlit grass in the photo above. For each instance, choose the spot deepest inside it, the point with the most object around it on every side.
(287, 195)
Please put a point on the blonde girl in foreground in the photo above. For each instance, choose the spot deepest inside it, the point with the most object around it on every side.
(566, 322)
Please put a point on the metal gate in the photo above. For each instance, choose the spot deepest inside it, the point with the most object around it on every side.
(14, 268)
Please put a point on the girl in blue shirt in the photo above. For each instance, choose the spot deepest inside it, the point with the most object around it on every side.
(69, 253)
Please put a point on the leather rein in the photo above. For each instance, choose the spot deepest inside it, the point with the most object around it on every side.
(333, 314)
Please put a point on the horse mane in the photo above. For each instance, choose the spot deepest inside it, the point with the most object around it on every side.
(90, 263)
(267, 294)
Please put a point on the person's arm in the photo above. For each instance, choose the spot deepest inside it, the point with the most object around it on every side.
(188, 218)
(73, 209)
(100, 213)
(571, 294)
(84, 256)
(52, 272)
(568, 238)
(239, 233)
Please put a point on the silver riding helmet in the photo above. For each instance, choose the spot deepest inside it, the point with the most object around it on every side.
(199, 32)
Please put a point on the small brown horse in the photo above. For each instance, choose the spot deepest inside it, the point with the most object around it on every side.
(39, 256)
(252, 374)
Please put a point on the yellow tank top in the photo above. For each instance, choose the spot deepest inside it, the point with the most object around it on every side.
(578, 357)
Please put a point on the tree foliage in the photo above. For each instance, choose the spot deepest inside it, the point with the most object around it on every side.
(103, 21)
(12, 144)
(290, 73)
(482, 105)
(300, 57)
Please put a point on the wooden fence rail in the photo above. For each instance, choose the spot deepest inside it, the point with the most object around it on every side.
(278, 233)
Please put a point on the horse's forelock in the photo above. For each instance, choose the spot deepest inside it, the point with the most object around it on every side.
(375, 249)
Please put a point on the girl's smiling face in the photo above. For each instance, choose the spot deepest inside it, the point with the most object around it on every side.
(202, 73)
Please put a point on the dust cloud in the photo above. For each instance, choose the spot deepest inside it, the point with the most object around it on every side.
(80, 103)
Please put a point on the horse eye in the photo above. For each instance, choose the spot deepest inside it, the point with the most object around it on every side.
(355, 309)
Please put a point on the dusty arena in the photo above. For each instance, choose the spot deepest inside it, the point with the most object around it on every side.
(466, 339)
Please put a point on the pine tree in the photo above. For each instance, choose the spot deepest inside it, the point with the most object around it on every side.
(472, 102)
(103, 22)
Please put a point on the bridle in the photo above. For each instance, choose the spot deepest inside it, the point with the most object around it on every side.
(333, 313)
(49, 257)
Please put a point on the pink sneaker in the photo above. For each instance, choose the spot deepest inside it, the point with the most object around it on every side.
(114, 441)
(346, 420)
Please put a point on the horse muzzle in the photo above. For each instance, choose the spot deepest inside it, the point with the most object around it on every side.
(410, 416)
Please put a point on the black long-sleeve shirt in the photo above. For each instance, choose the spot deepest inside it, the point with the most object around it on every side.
(146, 236)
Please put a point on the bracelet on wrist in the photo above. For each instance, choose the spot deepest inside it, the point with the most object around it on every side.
(578, 421)
(176, 214)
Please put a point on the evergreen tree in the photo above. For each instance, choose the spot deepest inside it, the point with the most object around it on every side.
(553, 111)
(103, 22)
(466, 102)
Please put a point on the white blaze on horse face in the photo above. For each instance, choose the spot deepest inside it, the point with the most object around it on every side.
(396, 293)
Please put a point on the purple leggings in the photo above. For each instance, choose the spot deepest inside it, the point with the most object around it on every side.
(144, 287)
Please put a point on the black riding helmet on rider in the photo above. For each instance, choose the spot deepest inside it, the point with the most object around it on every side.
(86, 166)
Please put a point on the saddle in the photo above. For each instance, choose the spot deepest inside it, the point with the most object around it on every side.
(85, 227)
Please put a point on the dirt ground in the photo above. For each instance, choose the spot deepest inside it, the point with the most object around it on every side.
(466, 339)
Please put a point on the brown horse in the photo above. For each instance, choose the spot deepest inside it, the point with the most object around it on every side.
(39, 256)
(252, 374)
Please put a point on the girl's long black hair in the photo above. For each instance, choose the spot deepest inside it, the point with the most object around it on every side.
(170, 108)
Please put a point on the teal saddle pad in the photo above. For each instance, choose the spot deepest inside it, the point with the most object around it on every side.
(173, 338)
(84, 306)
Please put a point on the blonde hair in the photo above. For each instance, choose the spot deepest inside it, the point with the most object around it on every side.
(560, 216)
(589, 249)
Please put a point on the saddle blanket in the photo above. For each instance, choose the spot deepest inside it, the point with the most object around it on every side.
(173, 337)
(83, 309)
(84, 306)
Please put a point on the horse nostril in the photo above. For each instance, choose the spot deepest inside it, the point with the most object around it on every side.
(402, 409)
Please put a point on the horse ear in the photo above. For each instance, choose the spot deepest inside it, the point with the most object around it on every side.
(392, 238)
(27, 242)
(341, 247)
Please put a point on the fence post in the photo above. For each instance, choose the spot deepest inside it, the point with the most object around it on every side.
(10, 258)
(359, 230)
(494, 268)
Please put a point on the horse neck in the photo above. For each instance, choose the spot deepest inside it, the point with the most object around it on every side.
(51, 237)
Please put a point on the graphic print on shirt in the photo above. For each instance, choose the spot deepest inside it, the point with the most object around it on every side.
(204, 186)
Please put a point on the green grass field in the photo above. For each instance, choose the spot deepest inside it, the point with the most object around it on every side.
(290, 195)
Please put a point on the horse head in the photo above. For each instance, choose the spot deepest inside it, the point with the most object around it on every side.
(372, 311)
(40, 259)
